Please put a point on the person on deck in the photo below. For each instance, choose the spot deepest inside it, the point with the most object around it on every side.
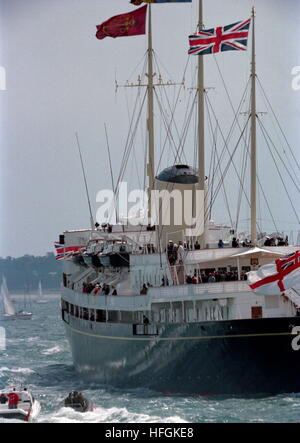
(13, 399)
(3, 399)
(97, 289)
(25, 397)
(144, 290)
(235, 242)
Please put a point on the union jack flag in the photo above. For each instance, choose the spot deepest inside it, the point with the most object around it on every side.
(227, 38)
(63, 252)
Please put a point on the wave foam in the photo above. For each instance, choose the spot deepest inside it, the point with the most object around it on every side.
(17, 370)
(51, 351)
(110, 415)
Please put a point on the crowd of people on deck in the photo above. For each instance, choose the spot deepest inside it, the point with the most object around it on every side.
(97, 289)
(278, 241)
(176, 253)
(215, 277)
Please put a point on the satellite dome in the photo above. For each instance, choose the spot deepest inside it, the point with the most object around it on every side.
(179, 174)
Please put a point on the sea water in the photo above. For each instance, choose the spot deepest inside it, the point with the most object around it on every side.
(38, 357)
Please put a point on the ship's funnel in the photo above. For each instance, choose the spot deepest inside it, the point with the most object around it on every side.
(178, 206)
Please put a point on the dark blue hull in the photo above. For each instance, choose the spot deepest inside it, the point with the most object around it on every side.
(221, 357)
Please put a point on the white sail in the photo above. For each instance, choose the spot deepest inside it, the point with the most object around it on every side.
(8, 307)
(40, 290)
(41, 297)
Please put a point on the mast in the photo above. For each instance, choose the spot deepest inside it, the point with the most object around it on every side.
(201, 123)
(150, 121)
(253, 136)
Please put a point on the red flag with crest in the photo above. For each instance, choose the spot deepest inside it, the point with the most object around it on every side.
(124, 25)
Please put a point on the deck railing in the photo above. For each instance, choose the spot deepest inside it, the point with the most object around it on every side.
(194, 290)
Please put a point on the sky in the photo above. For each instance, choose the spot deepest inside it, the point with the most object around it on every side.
(61, 80)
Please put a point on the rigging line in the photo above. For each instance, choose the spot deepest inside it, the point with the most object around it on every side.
(274, 146)
(277, 152)
(132, 131)
(291, 166)
(85, 182)
(135, 161)
(230, 161)
(226, 88)
(226, 141)
(278, 123)
(188, 118)
(169, 135)
(109, 157)
(279, 173)
(160, 62)
(186, 128)
(164, 123)
(219, 167)
(213, 169)
(144, 58)
(173, 119)
(131, 148)
(212, 165)
(140, 232)
(263, 193)
(136, 166)
(180, 137)
(111, 170)
(243, 175)
(283, 148)
(235, 121)
(122, 172)
(230, 156)
(173, 109)
(186, 124)
(139, 91)
(244, 169)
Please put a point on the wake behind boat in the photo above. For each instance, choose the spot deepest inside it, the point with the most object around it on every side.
(19, 406)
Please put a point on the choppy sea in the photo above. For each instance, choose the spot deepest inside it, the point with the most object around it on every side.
(38, 357)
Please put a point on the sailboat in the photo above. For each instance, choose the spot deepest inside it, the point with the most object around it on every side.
(41, 298)
(7, 311)
(160, 307)
(24, 314)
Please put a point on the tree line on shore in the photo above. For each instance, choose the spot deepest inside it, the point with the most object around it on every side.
(25, 273)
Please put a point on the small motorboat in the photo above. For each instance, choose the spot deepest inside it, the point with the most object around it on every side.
(24, 315)
(28, 408)
(78, 402)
